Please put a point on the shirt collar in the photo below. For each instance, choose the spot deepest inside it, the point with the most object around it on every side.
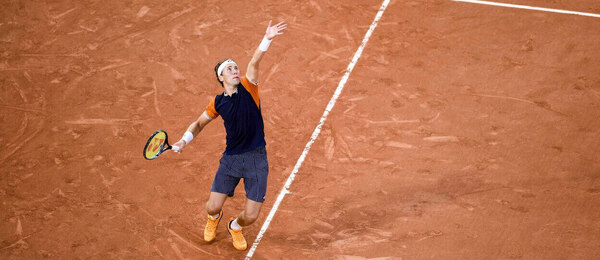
(227, 95)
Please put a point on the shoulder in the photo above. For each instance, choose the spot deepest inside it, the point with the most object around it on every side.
(219, 97)
(211, 109)
(248, 83)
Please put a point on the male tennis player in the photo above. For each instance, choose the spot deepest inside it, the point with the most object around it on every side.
(245, 156)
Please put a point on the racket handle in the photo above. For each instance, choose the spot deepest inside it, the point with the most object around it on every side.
(176, 148)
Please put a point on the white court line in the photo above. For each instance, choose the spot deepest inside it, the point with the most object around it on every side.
(529, 7)
(315, 134)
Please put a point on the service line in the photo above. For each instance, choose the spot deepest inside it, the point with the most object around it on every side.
(529, 7)
(315, 134)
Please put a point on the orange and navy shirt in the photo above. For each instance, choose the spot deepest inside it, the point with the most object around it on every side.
(242, 117)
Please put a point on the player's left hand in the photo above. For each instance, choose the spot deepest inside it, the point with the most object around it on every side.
(275, 30)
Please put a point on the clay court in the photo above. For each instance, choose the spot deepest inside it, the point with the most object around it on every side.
(464, 131)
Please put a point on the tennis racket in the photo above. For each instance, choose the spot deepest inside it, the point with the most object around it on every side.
(157, 143)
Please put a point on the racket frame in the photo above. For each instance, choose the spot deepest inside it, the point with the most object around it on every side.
(162, 146)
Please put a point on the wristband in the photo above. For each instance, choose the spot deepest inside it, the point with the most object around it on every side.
(264, 44)
(187, 137)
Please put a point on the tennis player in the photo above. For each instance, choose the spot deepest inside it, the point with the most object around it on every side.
(245, 156)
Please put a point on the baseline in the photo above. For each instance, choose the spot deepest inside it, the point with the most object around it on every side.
(529, 8)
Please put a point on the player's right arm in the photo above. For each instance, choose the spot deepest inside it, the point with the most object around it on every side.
(194, 129)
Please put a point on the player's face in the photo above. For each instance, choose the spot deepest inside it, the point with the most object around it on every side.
(231, 75)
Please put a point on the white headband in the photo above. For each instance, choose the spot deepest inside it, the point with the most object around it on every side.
(224, 64)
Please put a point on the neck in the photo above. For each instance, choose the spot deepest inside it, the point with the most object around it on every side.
(229, 89)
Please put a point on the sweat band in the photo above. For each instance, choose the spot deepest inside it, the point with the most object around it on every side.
(187, 137)
(264, 44)
(224, 64)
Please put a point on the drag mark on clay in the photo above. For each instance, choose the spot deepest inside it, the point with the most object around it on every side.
(442, 139)
(116, 65)
(505, 97)
(161, 222)
(71, 85)
(399, 145)
(19, 231)
(188, 243)
(541, 104)
(307, 29)
(75, 55)
(198, 30)
(393, 121)
(143, 11)
(21, 131)
(19, 234)
(329, 147)
(174, 73)
(55, 17)
(174, 36)
(175, 249)
(148, 26)
(156, 99)
(101, 121)
(22, 143)
(159, 252)
(430, 234)
(272, 71)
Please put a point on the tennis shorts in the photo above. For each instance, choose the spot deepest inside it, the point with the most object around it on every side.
(251, 166)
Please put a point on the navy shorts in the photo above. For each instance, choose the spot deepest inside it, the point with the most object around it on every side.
(251, 166)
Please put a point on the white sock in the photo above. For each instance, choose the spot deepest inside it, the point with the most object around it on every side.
(215, 216)
(235, 225)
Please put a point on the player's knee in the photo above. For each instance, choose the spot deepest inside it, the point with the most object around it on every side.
(212, 208)
(249, 219)
(250, 216)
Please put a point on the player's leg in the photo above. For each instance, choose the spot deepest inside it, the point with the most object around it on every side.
(223, 186)
(248, 216)
(255, 183)
(215, 203)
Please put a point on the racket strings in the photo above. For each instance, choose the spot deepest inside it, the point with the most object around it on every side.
(155, 145)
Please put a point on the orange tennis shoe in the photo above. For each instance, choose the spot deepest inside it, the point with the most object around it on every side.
(239, 242)
(210, 230)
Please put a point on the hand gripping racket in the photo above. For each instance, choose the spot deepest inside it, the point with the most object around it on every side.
(157, 143)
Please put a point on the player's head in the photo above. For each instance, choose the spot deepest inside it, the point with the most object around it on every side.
(227, 71)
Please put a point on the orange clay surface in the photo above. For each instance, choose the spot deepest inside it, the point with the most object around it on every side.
(464, 132)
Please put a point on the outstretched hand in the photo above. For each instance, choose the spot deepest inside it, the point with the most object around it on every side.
(275, 30)
(180, 144)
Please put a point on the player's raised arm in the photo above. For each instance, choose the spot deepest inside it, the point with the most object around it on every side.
(272, 32)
